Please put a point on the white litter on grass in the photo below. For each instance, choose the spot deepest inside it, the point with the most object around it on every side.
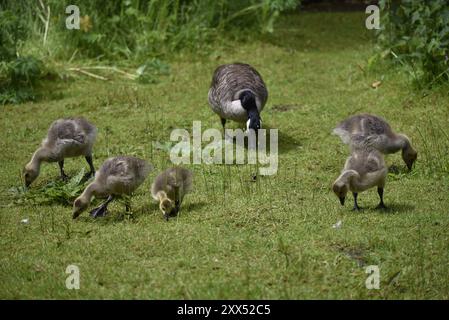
(337, 225)
(25, 221)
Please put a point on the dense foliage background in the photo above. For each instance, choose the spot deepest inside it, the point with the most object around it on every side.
(146, 33)
(417, 35)
(137, 30)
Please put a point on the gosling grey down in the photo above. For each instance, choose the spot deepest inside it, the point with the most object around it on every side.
(117, 176)
(69, 137)
(238, 93)
(364, 169)
(170, 187)
(368, 130)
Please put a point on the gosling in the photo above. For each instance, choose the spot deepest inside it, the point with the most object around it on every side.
(169, 188)
(364, 169)
(117, 176)
(373, 131)
(69, 137)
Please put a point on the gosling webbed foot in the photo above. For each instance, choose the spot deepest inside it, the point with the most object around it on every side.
(356, 208)
(89, 175)
(100, 211)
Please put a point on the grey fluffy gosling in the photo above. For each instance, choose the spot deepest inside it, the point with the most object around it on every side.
(372, 131)
(364, 169)
(117, 176)
(170, 187)
(70, 137)
(238, 93)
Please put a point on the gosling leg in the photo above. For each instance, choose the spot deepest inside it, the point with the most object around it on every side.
(91, 166)
(64, 177)
(102, 210)
(381, 205)
(356, 206)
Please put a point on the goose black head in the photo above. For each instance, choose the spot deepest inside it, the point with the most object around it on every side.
(248, 101)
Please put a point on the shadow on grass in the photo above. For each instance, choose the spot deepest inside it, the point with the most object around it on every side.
(120, 215)
(394, 208)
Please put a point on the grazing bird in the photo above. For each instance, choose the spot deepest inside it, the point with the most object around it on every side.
(373, 131)
(169, 188)
(117, 176)
(238, 93)
(70, 137)
(364, 169)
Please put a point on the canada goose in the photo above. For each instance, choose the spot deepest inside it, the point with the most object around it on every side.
(70, 137)
(238, 93)
(373, 131)
(364, 169)
(169, 188)
(117, 176)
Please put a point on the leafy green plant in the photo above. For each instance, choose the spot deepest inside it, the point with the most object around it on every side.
(18, 74)
(58, 192)
(416, 33)
(151, 70)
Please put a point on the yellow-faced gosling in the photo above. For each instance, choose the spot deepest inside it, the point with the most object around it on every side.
(364, 169)
(170, 187)
(70, 137)
(373, 131)
(238, 93)
(117, 176)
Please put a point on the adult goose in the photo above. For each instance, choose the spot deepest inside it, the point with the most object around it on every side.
(117, 176)
(66, 138)
(238, 93)
(367, 130)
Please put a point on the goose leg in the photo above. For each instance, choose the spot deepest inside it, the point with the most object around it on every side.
(223, 123)
(64, 177)
(356, 206)
(91, 166)
(381, 205)
(102, 210)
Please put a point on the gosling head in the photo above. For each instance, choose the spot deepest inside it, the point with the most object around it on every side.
(79, 205)
(167, 206)
(340, 189)
(409, 156)
(29, 174)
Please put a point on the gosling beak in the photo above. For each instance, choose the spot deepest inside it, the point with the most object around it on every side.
(166, 216)
(27, 184)
(409, 166)
(342, 200)
(75, 214)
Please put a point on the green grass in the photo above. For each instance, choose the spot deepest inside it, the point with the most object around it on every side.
(236, 238)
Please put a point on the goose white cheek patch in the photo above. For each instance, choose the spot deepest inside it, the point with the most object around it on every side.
(247, 126)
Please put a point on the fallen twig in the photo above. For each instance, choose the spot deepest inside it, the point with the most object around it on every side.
(87, 73)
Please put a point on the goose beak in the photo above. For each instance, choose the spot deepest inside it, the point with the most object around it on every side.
(342, 200)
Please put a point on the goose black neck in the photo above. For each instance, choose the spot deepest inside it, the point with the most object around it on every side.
(248, 100)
